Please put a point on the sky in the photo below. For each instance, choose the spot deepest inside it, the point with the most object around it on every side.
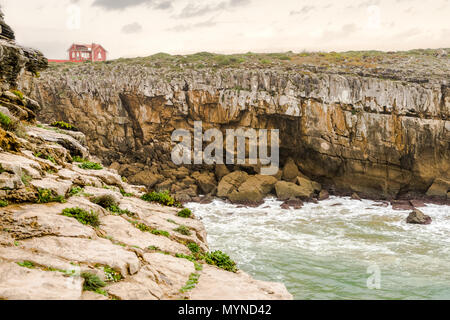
(130, 28)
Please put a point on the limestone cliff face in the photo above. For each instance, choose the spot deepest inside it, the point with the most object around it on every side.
(364, 133)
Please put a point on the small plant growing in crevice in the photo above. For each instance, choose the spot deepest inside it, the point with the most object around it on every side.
(63, 125)
(83, 216)
(3, 203)
(25, 179)
(184, 256)
(88, 165)
(116, 209)
(105, 201)
(193, 247)
(183, 230)
(145, 228)
(26, 264)
(185, 213)
(19, 94)
(74, 191)
(46, 196)
(125, 194)
(111, 274)
(93, 283)
(6, 122)
(78, 159)
(191, 283)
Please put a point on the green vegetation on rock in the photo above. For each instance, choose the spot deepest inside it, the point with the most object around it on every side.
(46, 196)
(105, 201)
(185, 213)
(74, 191)
(3, 203)
(111, 274)
(183, 230)
(88, 165)
(162, 197)
(5, 121)
(78, 159)
(26, 264)
(221, 260)
(93, 283)
(64, 125)
(19, 94)
(193, 247)
(83, 216)
(145, 228)
(191, 283)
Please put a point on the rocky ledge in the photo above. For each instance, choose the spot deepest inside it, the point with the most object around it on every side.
(67, 232)
(369, 122)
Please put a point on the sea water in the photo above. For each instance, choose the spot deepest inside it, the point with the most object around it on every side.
(336, 249)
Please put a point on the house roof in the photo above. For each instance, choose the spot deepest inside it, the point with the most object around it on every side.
(85, 47)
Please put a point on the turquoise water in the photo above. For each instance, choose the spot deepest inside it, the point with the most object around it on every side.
(337, 249)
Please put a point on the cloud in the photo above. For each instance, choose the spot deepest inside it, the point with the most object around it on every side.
(189, 26)
(124, 4)
(303, 10)
(195, 10)
(349, 28)
(132, 28)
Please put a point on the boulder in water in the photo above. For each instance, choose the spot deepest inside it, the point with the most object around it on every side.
(355, 196)
(323, 195)
(418, 217)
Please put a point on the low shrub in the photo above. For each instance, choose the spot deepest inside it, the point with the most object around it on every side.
(92, 282)
(46, 196)
(163, 198)
(63, 125)
(105, 201)
(193, 247)
(83, 216)
(5, 121)
(183, 230)
(111, 274)
(3, 203)
(88, 165)
(185, 213)
(221, 260)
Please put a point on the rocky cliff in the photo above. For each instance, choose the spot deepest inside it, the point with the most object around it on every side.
(71, 229)
(368, 122)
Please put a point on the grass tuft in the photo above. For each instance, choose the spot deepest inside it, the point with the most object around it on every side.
(183, 230)
(63, 125)
(185, 213)
(46, 196)
(88, 165)
(83, 216)
(163, 198)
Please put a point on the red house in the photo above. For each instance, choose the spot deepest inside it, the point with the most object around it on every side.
(87, 52)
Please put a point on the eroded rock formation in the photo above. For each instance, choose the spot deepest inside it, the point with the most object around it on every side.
(381, 132)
